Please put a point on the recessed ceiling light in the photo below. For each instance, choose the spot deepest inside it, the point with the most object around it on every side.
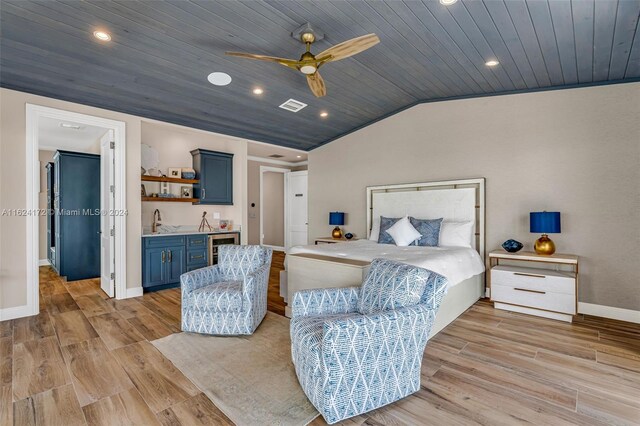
(101, 35)
(219, 78)
(70, 126)
(298, 156)
(258, 91)
(448, 2)
(324, 114)
(491, 63)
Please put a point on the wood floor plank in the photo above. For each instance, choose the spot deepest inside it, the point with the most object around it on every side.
(6, 405)
(499, 344)
(129, 308)
(6, 360)
(93, 304)
(61, 302)
(6, 328)
(38, 366)
(55, 407)
(123, 409)
(96, 376)
(197, 410)
(114, 330)
(619, 361)
(31, 328)
(159, 382)
(150, 326)
(72, 327)
(84, 287)
(607, 411)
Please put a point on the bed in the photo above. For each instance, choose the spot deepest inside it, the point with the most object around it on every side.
(345, 264)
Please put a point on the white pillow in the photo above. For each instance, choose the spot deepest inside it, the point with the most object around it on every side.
(403, 232)
(375, 230)
(456, 234)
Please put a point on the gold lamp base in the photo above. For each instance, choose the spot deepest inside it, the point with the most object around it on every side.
(544, 245)
(337, 232)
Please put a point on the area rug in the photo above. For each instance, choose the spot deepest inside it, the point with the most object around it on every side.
(250, 378)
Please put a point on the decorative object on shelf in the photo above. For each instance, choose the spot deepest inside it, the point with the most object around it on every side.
(149, 160)
(512, 246)
(174, 172)
(188, 173)
(545, 223)
(226, 225)
(348, 235)
(164, 188)
(204, 223)
(166, 195)
(336, 218)
(186, 191)
(143, 190)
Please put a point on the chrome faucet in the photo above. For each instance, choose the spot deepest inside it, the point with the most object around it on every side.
(154, 226)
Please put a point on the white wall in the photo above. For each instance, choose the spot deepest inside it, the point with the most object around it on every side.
(174, 146)
(575, 151)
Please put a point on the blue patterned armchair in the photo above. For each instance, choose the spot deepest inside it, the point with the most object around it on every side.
(356, 349)
(230, 297)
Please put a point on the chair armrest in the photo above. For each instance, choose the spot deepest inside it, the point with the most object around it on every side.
(326, 301)
(258, 278)
(193, 280)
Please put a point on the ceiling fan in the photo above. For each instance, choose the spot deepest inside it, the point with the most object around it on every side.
(309, 63)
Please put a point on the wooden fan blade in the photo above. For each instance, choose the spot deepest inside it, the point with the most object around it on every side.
(348, 48)
(282, 61)
(316, 84)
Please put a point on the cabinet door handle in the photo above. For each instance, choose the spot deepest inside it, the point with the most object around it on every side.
(163, 256)
(530, 291)
(529, 275)
(203, 192)
(197, 257)
(170, 257)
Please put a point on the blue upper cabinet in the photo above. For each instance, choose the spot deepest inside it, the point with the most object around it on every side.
(215, 172)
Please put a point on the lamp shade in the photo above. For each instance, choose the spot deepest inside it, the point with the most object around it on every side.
(336, 218)
(544, 222)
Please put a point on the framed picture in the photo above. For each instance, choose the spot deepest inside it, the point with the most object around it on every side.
(143, 190)
(175, 172)
(186, 191)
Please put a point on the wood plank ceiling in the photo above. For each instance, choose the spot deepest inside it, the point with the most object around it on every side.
(162, 51)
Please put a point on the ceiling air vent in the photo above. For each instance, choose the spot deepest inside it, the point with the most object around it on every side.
(276, 156)
(293, 105)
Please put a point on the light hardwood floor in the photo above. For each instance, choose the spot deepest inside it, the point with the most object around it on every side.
(86, 359)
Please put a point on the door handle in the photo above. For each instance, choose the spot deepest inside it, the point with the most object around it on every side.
(170, 257)
(163, 256)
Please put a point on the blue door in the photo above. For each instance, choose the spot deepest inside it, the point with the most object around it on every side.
(176, 263)
(155, 270)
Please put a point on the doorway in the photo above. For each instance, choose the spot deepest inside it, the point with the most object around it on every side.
(109, 144)
(272, 207)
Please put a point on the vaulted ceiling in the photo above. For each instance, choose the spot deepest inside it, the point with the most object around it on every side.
(156, 64)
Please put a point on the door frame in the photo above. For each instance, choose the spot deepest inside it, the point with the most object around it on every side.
(32, 168)
(264, 169)
(287, 225)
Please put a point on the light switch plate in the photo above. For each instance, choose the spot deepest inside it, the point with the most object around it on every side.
(216, 215)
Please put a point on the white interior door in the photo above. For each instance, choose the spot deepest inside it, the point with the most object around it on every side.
(297, 205)
(107, 203)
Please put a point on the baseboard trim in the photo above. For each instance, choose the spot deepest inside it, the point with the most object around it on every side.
(611, 312)
(134, 292)
(43, 262)
(15, 312)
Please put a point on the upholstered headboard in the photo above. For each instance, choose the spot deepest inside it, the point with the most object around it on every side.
(454, 200)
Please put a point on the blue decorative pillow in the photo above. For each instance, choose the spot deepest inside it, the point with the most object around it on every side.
(429, 229)
(391, 285)
(386, 223)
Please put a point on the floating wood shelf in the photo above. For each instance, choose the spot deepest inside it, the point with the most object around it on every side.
(175, 199)
(167, 179)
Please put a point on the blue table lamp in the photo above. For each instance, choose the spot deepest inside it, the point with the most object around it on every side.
(336, 218)
(545, 223)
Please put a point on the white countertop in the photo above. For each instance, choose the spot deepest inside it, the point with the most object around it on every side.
(171, 230)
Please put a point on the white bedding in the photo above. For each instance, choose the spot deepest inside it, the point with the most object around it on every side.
(455, 263)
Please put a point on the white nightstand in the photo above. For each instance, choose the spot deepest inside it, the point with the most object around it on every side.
(543, 292)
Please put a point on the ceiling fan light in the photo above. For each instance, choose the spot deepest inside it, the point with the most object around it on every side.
(308, 69)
